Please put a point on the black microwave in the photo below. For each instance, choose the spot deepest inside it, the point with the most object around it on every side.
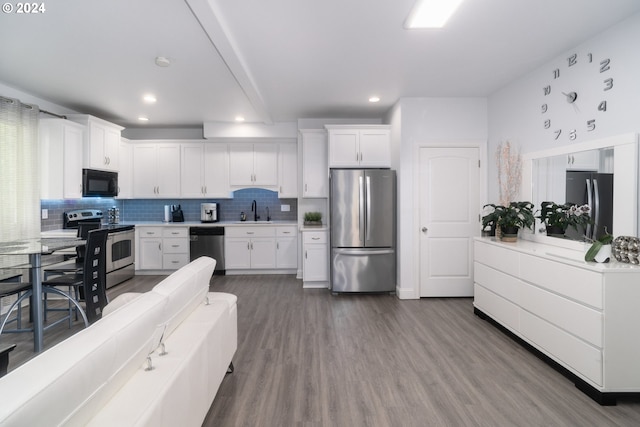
(97, 183)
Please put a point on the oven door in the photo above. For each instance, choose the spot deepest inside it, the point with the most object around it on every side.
(120, 249)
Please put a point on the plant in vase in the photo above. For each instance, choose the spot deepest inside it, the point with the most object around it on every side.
(557, 218)
(513, 217)
(313, 218)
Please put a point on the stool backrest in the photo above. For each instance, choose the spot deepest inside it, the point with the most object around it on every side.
(95, 274)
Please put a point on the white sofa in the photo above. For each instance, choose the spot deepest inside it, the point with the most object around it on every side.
(98, 376)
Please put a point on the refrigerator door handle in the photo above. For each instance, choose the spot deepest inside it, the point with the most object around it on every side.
(368, 215)
(596, 204)
(361, 213)
(590, 203)
(358, 252)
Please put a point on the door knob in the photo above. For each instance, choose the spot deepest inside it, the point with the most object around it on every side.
(425, 229)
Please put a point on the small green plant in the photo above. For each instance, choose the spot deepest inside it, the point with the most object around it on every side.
(313, 216)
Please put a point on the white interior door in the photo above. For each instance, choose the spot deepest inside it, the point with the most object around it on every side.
(449, 207)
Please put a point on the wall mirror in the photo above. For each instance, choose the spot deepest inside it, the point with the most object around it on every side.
(564, 174)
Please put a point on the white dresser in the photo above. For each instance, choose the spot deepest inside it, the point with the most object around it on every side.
(583, 316)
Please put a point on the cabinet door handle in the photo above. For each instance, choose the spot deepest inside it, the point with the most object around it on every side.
(159, 246)
(248, 246)
(315, 238)
(175, 246)
(305, 188)
(305, 254)
(251, 245)
(278, 245)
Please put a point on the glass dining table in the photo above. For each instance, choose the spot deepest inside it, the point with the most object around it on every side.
(35, 248)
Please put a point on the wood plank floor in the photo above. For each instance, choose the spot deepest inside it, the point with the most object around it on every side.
(307, 358)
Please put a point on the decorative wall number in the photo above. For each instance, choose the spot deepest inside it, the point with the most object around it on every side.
(563, 90)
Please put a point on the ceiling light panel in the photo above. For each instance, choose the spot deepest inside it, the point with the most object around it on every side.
(431, 13)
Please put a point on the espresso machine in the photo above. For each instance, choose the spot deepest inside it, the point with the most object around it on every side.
(209, 212)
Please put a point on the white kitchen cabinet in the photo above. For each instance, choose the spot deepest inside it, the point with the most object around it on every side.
(162, 248)
(250, 247)
(156, 170)
(574, 312)
(585, 160)
(175, 247)
(362, 146)
(315, 258)
(102, 142)
(125, 175)
(287, 247)
(204, 171)
(61, 157)
(287, 170)
(253, 165)
(149, 245)
(315, 168)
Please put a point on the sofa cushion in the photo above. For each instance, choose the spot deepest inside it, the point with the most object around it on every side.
(185, 289)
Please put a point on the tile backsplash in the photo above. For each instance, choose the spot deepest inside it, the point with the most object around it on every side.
(132, 210)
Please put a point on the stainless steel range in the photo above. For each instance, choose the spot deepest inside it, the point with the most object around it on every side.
(120, 243)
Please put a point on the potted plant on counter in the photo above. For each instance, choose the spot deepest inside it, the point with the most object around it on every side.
(513, 217)
(313, 218)
(557, 218)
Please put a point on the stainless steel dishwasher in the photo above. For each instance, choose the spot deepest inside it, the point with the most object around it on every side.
(208, 241)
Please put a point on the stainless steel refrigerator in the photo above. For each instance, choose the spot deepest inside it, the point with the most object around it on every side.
(596, 190)
(363, 230)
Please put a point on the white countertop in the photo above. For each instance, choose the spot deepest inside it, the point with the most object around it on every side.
(559, 254)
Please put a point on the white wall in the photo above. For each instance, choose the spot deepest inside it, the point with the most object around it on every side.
(515, 111)
(417, 121)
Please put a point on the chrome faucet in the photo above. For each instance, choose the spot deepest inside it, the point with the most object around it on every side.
(254, 209)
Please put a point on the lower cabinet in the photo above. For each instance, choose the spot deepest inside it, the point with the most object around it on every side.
(315, 259)
(260, 248)
(578, 314)
(162, 247)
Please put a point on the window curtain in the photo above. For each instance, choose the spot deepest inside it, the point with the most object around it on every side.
(19, 171)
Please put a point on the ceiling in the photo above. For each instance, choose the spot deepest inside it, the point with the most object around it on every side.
(280, 60)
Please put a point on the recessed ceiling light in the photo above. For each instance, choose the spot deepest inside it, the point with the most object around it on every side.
(374, 99)
(162, 61)
(431, 13)
(149, 99)
(143, 119)
(239, 119)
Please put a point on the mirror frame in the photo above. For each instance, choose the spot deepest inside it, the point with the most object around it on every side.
(625, 185)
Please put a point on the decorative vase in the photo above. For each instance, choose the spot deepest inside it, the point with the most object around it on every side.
(509, 234)
(604, 254)
(555, 231)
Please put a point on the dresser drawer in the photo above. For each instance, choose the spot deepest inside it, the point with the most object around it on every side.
(175, 246)
(570, 351)
(577, 319)
(175, 232)
(250, 231)
(501, 259)
(573, 282)
(286, 231)
(174, 261)
(314, 237)
(150, 231)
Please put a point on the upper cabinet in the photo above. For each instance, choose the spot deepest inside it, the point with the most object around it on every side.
(253, 165)
(287, 170)
(102, 142)
(156, 170)
(125, 174)
(315, 172)
(359, 146)
(61, 143)
(204, 171)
